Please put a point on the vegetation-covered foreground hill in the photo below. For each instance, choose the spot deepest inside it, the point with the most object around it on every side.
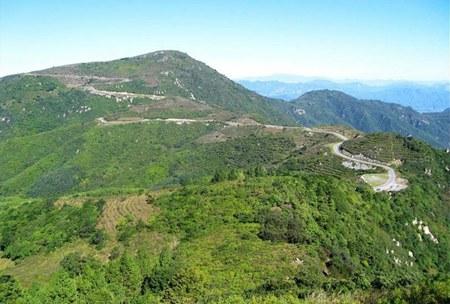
(337, 108)
(284, 237)
(221, 210)
(275, 221)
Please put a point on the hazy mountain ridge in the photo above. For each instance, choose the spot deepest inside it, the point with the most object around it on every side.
(430, 97)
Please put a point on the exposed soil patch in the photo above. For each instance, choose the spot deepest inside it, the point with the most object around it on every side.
(72, 201)
(117, 208)
(171, 103)
(76, 81)
(212, 137)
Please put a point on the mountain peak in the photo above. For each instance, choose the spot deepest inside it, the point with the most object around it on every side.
(167, 74)
(160, 53)
(327, 95)
(164, 56)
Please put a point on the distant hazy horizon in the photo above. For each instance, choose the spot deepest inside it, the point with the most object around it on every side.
(344, 39)
(298, 78)
(281, 77)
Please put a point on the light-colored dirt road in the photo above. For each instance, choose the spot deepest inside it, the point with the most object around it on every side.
(120, 95)
(391, 184)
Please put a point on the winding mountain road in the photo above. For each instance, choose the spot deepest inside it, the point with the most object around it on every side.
(390, 184)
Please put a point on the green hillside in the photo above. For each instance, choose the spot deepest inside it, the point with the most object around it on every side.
(173, 73)
(147, 155)
(337, 108)
(270, 238)
(110, 194)
(30, 105)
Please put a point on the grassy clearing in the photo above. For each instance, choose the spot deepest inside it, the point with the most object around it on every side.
(152, 242)
(12, 201)
(5, 263)
(376, 179)
(228, 261)
(39, 268)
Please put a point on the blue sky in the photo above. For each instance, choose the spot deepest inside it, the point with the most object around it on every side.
(357, 39)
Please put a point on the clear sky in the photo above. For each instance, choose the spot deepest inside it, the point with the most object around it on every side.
(359, 39)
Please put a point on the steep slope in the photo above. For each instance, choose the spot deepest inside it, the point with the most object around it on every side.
(441, 119)
(34, 104)
(172, 73)
(334, 107)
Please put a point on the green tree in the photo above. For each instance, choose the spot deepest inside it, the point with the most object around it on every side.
(131, 275)
(62, 289)
(162, 274)
(10, 290)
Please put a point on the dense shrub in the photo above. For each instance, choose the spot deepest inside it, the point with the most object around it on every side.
(75, 263)
(39, 226)
(10, 290)
(56, 182)
(282, 224)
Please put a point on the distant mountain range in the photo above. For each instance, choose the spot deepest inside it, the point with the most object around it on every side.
(430, 97)
(337, 108)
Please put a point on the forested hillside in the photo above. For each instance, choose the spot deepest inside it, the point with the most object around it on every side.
(334, 107)
(173, 73)
(154, 179)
